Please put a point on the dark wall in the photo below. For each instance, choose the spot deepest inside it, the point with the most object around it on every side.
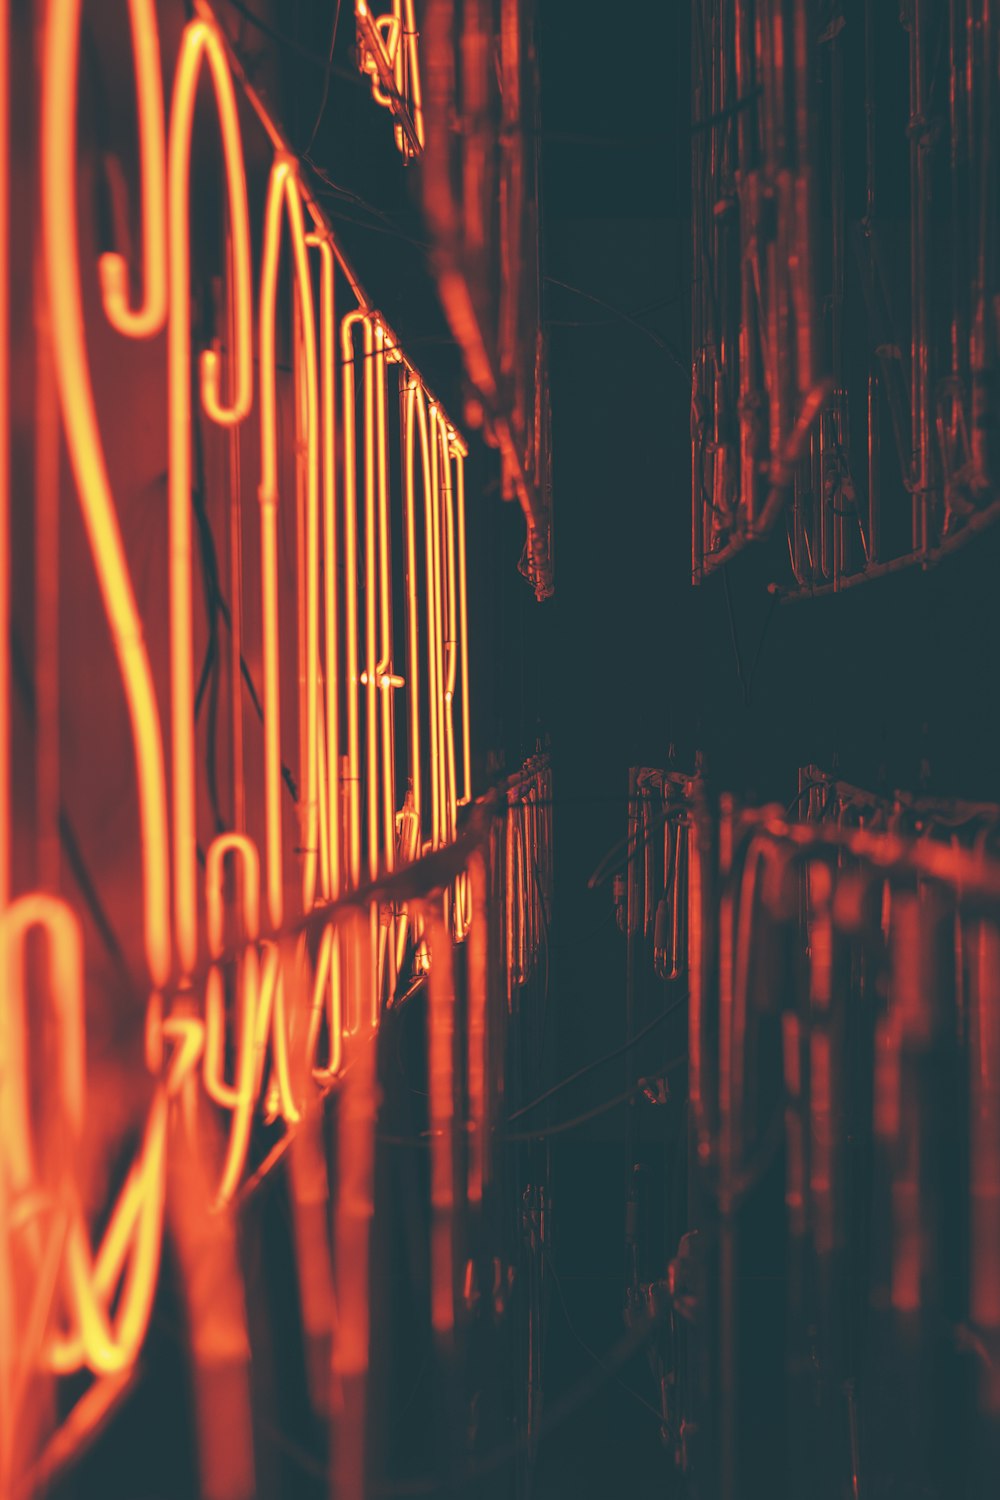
(894, 680)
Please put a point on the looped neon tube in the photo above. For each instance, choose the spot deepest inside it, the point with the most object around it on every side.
(283, 197)
(199, 45)
(61, 240)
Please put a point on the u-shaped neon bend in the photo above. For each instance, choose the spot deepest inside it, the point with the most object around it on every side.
(200, 45)
(283, 198)
(241, 1095)
(411, 395)
(76, 398)
(148, 318)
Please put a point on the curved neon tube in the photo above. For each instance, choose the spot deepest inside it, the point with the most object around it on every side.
(240, 1096)
(200, 45)
(328, 350)
(76, 398)
(148, 318)
(460, 455)
(349, 401)
(412, 599)
(282, 195)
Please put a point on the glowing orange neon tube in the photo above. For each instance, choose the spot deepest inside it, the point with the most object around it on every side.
(307, 507)
(476, 1000)
(199, 44)
(373, 345)
(4, 475)
(353, 1211)
(100, 1342)
(8, 1296)
(413, 393)
(386, 678)
(328, 351)
(449, 623)
(441, 1111)
(240, 1096)
(86, 454)
(408, 75)
(349, 402)
(460, 453)
(148, 318)
(105, 1344)
(435, 674)
(390, 56)
(282, 194)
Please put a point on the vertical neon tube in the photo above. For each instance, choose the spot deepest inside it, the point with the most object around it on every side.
(349, 399)
(373, 338)
(330, 600)
(412, 596)
(449, 619)
(478, 980)
(441, 1112)
(433, 628)
(240, 1096)
(148, 318)
(200, 45)
(60, 249)
(282, 196)
(386, 682)
(463, 624)
(353, 1212)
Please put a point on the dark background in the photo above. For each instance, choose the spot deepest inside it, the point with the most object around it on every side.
(893, 681)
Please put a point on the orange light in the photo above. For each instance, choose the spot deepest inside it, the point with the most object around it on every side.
(460, 454)
(199, 45)
(476, 1001)
(103, 1295)
(328, 351)
(441, 1108)
(351, 584)
(283, 195)
(148, 318)
(103, 1342)
(413, 393)
(240, 1096)
(353, 1211)
(4, 510)
(388, 52)
(86, 455)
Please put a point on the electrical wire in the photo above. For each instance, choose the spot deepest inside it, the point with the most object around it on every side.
(326, 80)
(562, 1126)
(291, 45)
(661, 343)
(591, 1114)
(611, 1373)
(598, 1062)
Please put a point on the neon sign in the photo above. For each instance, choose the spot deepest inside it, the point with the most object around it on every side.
(348, 660)
(388, 53)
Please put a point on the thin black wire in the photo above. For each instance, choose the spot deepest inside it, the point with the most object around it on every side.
(611, 1373)
(598, 1062)
(291, 45)
(632, 846)
(661, 343)
(760, 645)
(544, 1131)
(326, 80)
(556, 1413)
